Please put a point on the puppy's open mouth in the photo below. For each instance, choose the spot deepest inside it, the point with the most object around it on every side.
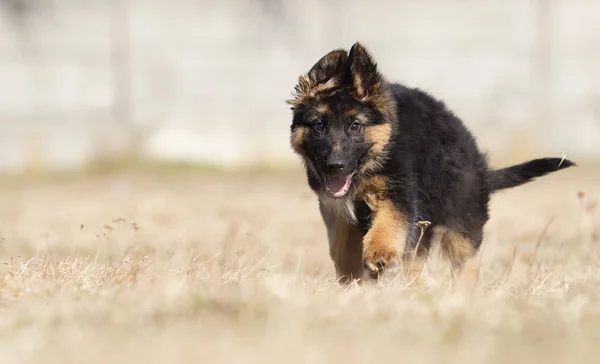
(338, 186)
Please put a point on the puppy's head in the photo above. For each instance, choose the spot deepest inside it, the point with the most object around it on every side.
(342, 118)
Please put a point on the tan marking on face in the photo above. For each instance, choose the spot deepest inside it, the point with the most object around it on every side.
(362, 118)
(379, 137)
(350, 113)
(322, 109)
(297, 140)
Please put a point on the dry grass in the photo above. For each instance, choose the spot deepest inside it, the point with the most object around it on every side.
(205, 268)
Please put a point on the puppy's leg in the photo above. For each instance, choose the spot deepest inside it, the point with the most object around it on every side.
(412, 266)
(461, 250)
(385, 238)
(345, 247)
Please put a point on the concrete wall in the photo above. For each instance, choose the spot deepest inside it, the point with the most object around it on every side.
(205, 81)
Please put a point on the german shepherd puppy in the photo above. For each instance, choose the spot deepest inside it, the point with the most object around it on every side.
(382, 157)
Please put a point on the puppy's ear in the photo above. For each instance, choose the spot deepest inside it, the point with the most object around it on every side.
(366, 79)
(329, 72)
(331, 66)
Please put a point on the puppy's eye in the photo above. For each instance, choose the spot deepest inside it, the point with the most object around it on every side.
(318, 126)
(355, 126)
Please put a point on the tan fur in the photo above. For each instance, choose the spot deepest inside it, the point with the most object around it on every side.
(322, 109)
(467, 278)
(300, 90)
(358, 86)
(382, 101)
(345, 247)
(412, 265)
(305, 90)
(372, 190)
(297, 140)
(332, 83)
(362, 118)
(356, 116)
(387, 233)
(456, 248)
(378, 136)
(351, 113)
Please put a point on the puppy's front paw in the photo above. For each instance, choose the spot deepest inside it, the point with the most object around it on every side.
(375, 259)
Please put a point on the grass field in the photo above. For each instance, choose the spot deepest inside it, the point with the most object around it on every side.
(234, 268)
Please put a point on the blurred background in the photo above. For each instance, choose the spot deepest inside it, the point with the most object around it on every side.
(205, 82)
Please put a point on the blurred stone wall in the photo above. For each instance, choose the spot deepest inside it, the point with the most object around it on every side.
(205, 81)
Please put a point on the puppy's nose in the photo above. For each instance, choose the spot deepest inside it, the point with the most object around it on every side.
(335, 165)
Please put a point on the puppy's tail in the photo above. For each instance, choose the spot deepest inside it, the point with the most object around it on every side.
(519, 174)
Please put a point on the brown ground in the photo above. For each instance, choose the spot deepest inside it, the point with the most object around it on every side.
(234, 268)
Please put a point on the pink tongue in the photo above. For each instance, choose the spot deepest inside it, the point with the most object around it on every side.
(336, 184)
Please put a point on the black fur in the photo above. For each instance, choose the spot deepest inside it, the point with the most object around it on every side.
(522, 173)
(436, 171)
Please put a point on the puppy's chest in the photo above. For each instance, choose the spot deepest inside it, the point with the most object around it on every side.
(354, 212)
